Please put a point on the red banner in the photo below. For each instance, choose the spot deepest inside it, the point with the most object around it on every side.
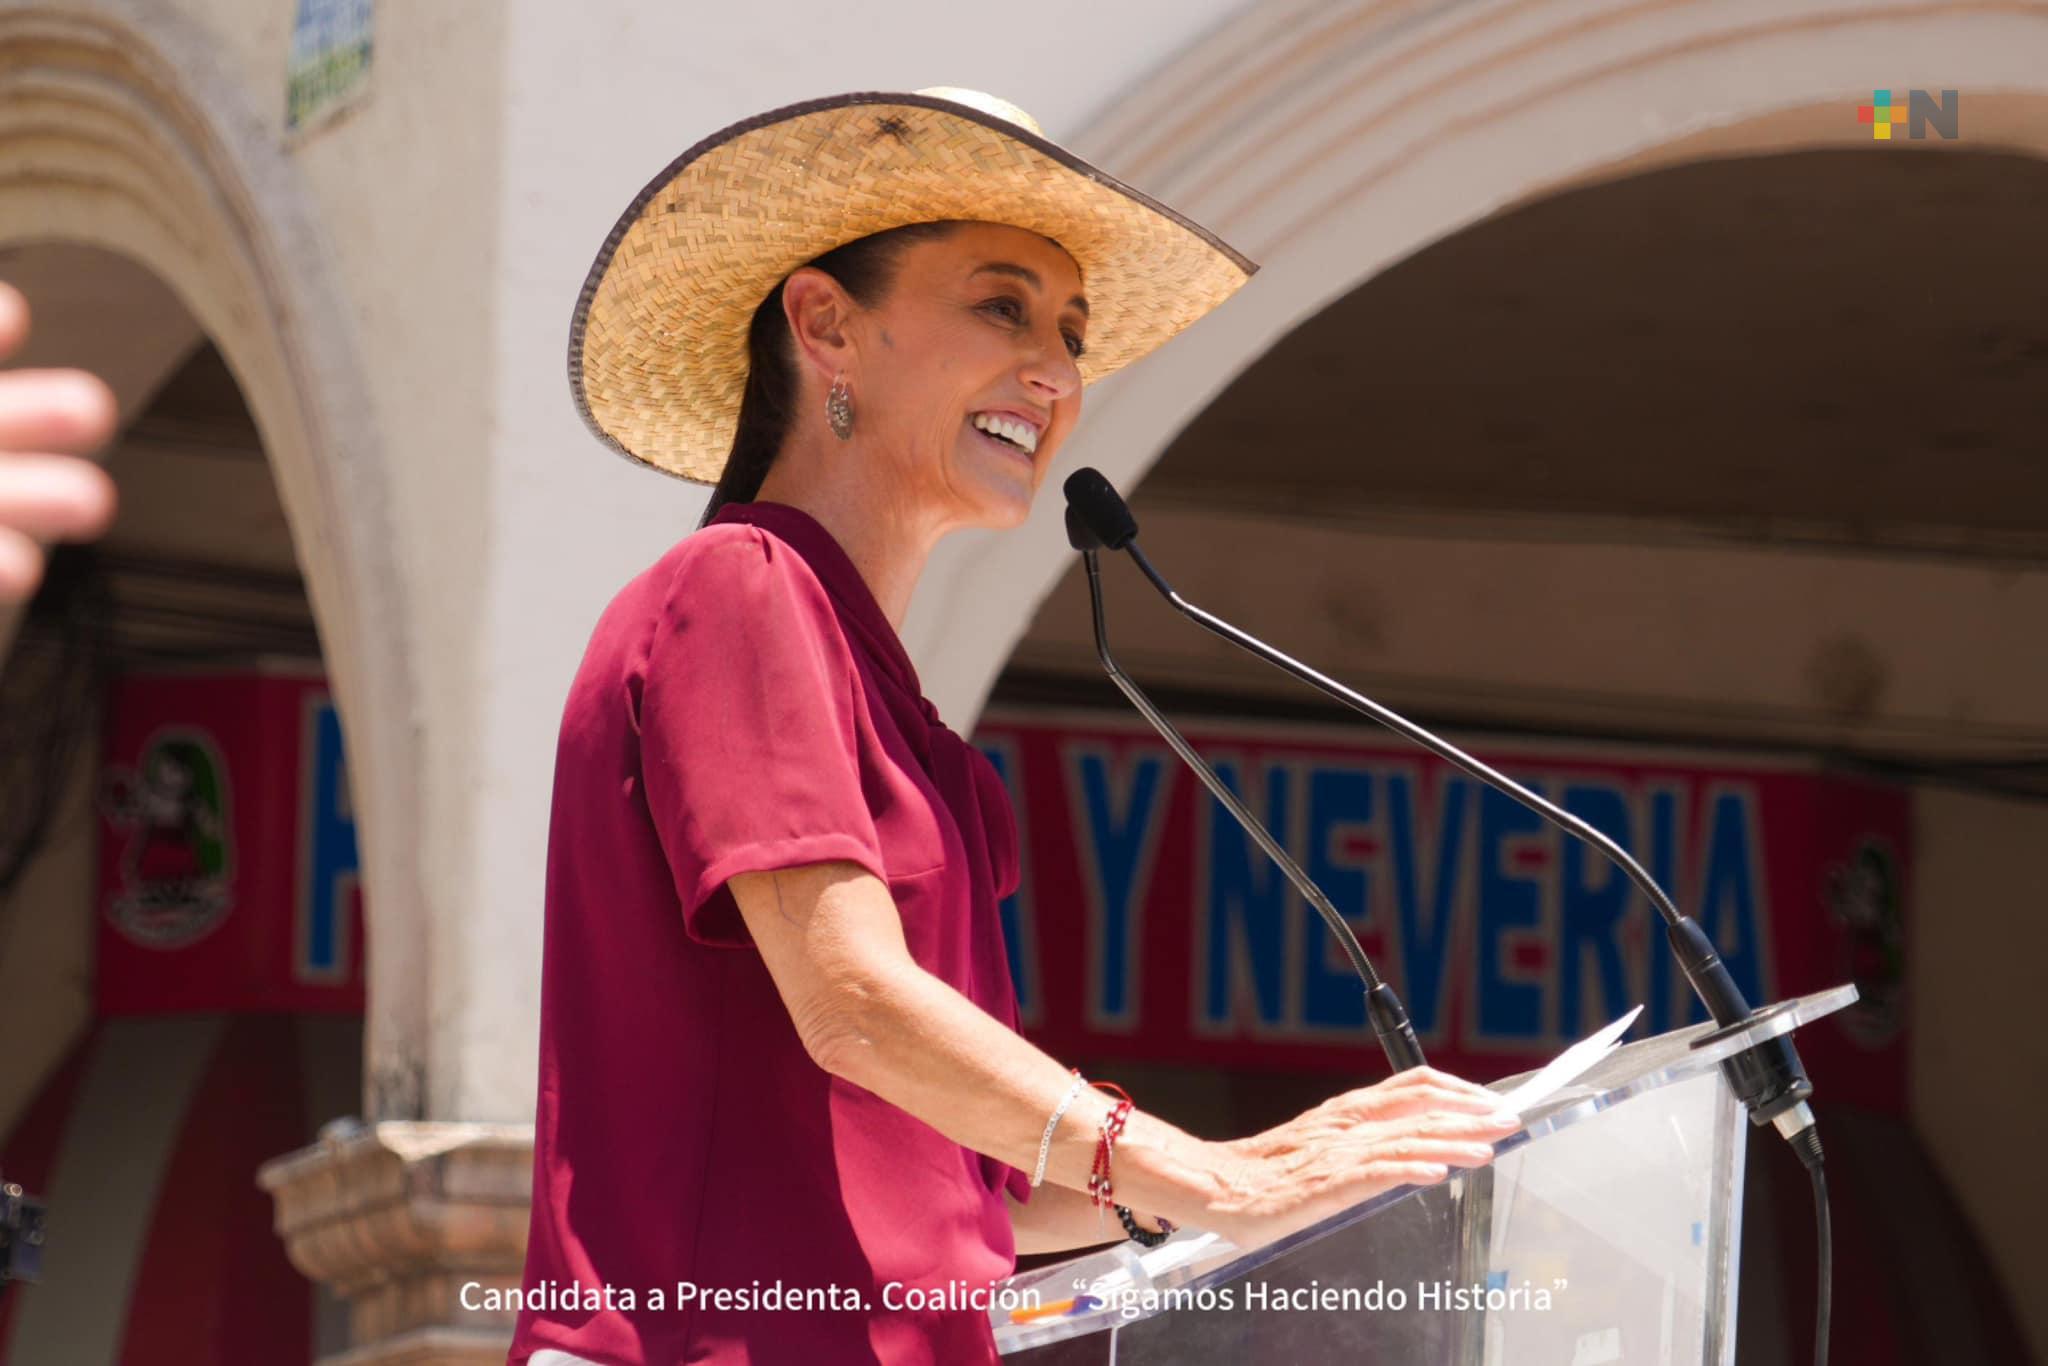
(1150, 926)
(227, 849)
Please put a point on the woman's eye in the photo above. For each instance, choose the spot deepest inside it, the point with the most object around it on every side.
(1013, 310)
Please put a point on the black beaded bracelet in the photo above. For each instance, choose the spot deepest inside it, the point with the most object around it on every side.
(1143, 1237)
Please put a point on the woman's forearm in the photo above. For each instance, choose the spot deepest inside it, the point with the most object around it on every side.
(865, 1010)
(833, 941)
(919, 1044)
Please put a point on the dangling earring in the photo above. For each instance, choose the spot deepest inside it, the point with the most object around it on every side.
(839, 409)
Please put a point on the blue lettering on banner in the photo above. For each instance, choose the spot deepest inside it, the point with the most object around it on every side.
(1510, 1003)
(1462, 887)
(1340, 799)
(1427, 879)
(1014, 911)
(1118, 840)
(1245, 921)
(1666, 819)
(332, 866)
(1731, 892)
(1593, 898)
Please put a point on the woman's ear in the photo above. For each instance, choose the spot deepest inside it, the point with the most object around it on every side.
(818, 308)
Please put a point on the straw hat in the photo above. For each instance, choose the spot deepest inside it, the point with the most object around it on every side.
(658, 343)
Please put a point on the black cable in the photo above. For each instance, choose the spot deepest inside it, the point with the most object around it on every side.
(1807, 1144)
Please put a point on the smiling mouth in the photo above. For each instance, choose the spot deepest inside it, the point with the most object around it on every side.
(1003, 444)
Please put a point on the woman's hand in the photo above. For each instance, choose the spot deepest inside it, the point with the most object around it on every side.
(1408, 1130)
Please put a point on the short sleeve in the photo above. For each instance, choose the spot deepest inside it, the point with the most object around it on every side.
(748, 726)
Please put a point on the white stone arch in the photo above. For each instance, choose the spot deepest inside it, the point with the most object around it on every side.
(121, 129)
(1330, 141)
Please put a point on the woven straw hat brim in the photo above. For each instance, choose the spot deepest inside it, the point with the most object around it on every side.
(658, 343)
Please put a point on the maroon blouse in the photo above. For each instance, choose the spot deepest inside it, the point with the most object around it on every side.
(745, 705)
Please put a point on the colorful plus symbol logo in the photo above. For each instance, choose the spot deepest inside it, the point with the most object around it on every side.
(1881, 114)
(1914, 110)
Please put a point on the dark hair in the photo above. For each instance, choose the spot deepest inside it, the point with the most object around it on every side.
(866, 269)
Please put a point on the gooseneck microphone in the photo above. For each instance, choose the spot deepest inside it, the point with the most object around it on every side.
(1769, 1078)
(1389, 1017)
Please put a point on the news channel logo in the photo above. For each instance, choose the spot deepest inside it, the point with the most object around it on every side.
(1916, 111)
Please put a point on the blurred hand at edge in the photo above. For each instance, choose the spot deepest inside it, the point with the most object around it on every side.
(48, 419)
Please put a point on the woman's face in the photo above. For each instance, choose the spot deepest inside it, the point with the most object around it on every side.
(983, 324)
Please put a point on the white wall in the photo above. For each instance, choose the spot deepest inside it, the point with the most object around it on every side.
(412, 185)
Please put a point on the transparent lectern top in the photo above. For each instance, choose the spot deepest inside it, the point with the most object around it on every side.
(1606, 1230)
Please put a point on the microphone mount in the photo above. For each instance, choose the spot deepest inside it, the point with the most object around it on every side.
(1383, 1006)
(1769, 1078)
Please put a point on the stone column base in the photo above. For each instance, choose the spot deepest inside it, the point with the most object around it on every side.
(397, 1218)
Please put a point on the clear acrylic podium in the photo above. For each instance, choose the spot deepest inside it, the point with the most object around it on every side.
(1607, 1230)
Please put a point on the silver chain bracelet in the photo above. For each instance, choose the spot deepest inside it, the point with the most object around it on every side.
(1045, 1143)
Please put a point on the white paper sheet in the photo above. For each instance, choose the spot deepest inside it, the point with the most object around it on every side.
(1568, 1066)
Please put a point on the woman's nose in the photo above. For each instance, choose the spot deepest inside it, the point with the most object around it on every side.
(1054, 373)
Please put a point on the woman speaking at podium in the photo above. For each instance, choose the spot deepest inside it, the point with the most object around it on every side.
(784, 1112)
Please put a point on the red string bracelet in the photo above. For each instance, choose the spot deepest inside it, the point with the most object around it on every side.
(1100, 1189)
